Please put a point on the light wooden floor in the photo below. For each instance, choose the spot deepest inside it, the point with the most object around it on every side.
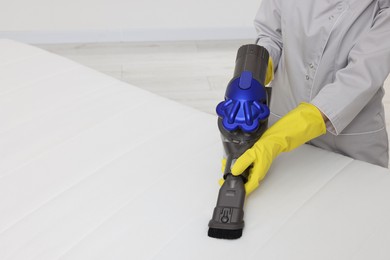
(194, 73)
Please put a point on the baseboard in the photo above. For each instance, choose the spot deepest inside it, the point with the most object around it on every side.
(129, 35)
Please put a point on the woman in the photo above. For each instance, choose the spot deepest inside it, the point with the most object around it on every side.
(330, 61)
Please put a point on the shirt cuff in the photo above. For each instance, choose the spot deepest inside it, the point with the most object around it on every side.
(330, 115)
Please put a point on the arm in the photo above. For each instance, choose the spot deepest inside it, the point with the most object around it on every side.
(268, 26)
(368, 66)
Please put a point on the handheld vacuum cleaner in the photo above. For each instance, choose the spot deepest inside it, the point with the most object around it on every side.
(242, 119)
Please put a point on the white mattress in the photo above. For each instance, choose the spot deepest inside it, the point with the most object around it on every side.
(94, 168)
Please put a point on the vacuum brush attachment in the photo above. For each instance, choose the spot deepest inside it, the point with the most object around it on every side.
(228, 217)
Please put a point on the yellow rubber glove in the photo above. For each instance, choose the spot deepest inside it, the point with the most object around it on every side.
(297, 127)
(269, 76)
(223, 166)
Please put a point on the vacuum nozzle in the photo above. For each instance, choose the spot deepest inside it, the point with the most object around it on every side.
(228, 217)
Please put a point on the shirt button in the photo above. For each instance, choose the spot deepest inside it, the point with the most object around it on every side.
(311, 65)
(307, 77)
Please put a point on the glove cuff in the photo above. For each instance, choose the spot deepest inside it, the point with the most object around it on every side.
(297, 127)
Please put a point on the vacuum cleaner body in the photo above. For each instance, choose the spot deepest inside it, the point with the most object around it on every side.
(242, 119)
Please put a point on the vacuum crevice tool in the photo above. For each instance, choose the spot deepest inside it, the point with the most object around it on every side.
(242, 119)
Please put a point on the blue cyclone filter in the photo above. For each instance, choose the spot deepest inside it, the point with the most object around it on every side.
(244, 106)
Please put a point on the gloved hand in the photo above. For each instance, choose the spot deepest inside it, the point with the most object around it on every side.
(269, 75)
(297, 127)
(223, 166)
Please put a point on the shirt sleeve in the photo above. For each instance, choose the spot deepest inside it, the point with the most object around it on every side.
(356, 84)
(268, 27)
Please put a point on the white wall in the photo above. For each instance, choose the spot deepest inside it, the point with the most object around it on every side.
(102, 20)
